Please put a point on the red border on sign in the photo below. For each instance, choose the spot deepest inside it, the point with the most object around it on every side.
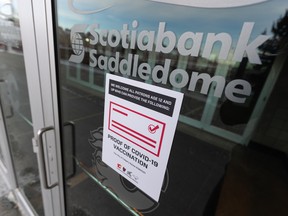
(161, 136)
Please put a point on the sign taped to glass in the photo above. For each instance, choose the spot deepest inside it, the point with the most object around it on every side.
(139, 152)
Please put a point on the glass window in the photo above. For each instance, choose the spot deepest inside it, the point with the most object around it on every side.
(16, 106)
(231, 137)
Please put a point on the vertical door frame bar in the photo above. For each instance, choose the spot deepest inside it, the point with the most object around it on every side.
(36, 25)
(8, 168)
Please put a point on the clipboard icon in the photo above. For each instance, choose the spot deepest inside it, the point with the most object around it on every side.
(137, 128)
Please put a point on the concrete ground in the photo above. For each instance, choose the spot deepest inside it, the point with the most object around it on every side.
(7, 206)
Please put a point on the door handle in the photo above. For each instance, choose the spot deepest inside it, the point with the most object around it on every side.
(41, 154)
(72, 125)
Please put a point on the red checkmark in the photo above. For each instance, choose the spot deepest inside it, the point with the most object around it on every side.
(152, 128)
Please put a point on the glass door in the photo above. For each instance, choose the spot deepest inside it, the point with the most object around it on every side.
(16, 123)
(36, 26)
(224, 59)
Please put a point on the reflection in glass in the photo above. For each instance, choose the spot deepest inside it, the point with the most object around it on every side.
(201, 160)
(16, 106)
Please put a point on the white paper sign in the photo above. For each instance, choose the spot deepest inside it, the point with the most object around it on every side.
(139, 126)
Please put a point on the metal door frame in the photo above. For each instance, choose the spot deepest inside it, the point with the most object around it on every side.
(7, 169)
(36, 24)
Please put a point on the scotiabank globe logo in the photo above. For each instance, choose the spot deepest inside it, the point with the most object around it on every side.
(77, 43)
(212, 3)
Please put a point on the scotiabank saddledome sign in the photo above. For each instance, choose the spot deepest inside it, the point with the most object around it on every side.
(165, 41)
